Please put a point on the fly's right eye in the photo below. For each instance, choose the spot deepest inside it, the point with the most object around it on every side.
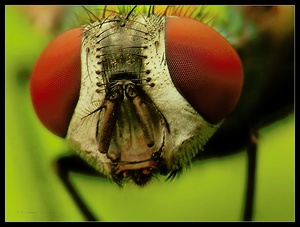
(55, 81)
(204, 67)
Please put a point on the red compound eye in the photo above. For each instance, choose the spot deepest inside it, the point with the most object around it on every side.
(204, 67)
(55, 81)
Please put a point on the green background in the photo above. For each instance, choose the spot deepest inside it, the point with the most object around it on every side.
(211, 190)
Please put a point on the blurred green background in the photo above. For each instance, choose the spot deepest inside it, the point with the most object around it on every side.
(211, 190)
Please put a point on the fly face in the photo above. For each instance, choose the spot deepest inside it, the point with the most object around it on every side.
(153, 89)
(130, 130)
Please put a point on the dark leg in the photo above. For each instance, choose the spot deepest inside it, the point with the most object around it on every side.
(75, 164)
(251, 155)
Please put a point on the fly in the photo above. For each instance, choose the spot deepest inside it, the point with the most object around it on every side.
(146, 92)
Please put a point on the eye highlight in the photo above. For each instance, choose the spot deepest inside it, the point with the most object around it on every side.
(55, 81)
(204, 67)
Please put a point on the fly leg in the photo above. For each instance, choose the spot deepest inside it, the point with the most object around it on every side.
(229, 139)
(251, 172)
(74, 163)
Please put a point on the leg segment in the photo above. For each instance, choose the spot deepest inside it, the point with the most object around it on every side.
(75, 164)
(251, 157)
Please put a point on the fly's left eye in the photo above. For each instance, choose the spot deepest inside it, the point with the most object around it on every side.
(55, 81)
(204, 67)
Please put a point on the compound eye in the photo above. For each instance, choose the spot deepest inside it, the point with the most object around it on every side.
(55, 81)
(204, 67)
